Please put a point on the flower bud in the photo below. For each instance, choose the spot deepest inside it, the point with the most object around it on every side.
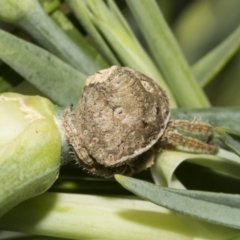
(13, 10)
(30, 147)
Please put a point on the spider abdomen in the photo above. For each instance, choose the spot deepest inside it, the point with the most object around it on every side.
(121, 114)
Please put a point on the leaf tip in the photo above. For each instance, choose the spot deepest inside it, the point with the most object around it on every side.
(118, 177)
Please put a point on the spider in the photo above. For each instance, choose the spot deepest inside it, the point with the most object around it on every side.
(122, 118)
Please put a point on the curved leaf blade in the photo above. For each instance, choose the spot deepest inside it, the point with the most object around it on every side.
(167, 54)
(80, 10)
(125, 44)
(167, 162)
(42, 28)
(209, 66)
(216, 116)
(191, 203)
(230, 138)
(55, 78)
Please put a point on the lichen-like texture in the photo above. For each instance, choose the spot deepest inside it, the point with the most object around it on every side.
(120, 116)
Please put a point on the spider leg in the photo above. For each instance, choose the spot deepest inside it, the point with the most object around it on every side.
(192, 126)
(73, 138)
(188, 144)
(178, 141)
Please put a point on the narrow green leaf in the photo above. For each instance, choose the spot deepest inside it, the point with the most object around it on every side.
(167, 162)
(210, 65)
(41, 27)
(49, 6)
(59, 81)
(216, 208)
(229, 137)
(167, 53)
(227, 117)
(231, 200)
(80, 10)
(72, 32)
(125, 45)
(12, 10)
(112, 5)
(201, 25)
(99, 10)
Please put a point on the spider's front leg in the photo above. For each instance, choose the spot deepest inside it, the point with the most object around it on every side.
(178, 141)
(193, 127)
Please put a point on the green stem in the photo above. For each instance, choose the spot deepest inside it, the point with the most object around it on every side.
(93, 217)
(39, 25)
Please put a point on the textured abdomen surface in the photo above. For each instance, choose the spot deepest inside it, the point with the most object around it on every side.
(121, 114)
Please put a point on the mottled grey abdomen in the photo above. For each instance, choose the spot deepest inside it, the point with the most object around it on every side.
(121, 114)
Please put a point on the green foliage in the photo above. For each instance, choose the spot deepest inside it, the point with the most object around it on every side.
(216, 208)
(77, 38)
(167, 54)
(59, 81)
(230, 138)
(209, 66)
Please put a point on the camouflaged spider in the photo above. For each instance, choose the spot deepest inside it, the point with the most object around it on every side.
(121, 119)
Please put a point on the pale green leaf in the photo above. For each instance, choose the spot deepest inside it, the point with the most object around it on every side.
(125, 45)
(218, 208)
(203, 24)
(217, 116)
(211, 64)
(229, 137)
(73, 216)
(167, 162)
(167, 54)
(224, 162)
(41, 27)
(72, 32)
(50, 6)
(80, 10)
(59, 81)
(118, 14)
(227, 117)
